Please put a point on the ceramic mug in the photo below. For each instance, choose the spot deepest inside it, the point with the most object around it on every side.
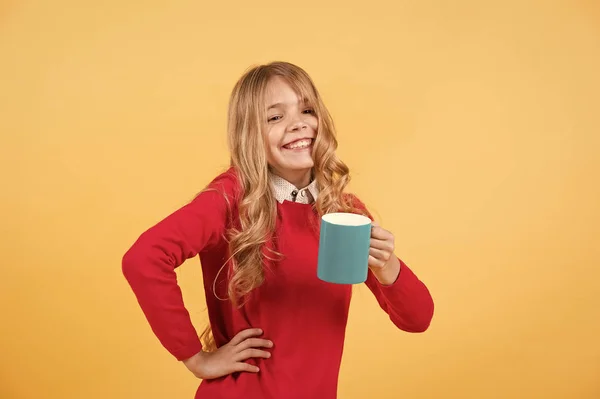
(344, 243)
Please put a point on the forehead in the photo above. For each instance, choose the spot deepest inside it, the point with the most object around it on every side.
(279, 90)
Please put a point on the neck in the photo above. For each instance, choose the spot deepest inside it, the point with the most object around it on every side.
(300, 179)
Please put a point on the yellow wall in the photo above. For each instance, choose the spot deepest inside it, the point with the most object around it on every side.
(472, 129)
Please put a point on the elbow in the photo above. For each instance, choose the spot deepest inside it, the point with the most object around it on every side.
(421, 325)
(425, 316)
(143, 262)
(416, 326)
(130, 265)
(420, 320)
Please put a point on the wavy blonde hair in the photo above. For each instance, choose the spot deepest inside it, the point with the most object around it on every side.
(257, 207)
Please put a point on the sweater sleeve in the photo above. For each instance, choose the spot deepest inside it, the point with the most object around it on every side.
(149, 265)
(407, 301)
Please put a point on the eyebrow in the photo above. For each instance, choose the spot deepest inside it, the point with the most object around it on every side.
(280, 104)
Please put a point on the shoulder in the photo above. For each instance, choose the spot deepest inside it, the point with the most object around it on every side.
(226, 182)
(224, 188)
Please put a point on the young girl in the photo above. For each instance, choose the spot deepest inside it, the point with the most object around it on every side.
(276, 330)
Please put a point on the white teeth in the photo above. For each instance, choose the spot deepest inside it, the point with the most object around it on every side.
(299, 144)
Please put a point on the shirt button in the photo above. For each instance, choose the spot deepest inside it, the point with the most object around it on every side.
(303, 193)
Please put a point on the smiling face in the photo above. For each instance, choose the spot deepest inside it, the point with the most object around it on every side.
(290, 133)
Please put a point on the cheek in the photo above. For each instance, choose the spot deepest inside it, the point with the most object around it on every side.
(273, 141)
(276, 134)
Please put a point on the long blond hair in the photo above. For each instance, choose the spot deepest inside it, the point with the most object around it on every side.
(257, 206)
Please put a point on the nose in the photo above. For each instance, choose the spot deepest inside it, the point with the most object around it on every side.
(297, 125)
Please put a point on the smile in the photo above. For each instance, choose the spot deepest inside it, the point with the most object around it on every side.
(298, 144)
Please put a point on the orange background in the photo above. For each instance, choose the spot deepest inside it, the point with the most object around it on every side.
(471, 128)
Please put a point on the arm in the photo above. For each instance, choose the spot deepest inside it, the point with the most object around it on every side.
(149, 266)
(407, 300)
(397, 289)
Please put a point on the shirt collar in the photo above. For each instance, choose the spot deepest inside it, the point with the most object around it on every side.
(286, 191)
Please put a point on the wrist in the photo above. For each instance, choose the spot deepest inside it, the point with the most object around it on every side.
(195, 364)
(388, 274)
(192, 362)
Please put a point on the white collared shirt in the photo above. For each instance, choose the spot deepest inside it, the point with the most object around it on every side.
(284, 190)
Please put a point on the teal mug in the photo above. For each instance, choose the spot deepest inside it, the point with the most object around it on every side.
(344, 244)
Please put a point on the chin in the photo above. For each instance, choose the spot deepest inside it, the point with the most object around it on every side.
(301, 166)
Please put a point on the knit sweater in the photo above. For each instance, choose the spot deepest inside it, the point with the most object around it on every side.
(303, 316)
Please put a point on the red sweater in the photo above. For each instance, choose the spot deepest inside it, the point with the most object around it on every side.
(303, 316)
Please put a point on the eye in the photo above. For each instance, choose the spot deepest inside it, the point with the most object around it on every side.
(308, 111)
(274, 118)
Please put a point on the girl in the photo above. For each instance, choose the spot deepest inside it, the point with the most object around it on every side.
(276, 330)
